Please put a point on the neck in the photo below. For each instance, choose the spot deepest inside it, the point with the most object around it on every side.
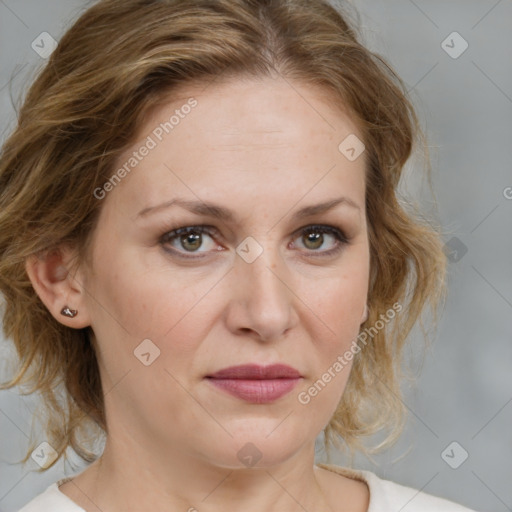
(129, 477)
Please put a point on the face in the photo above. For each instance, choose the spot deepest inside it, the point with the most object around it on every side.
(263, 285)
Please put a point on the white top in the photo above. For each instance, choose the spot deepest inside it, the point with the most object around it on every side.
(385, 496)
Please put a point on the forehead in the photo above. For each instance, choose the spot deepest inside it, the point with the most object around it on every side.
(269, 136)
(254, 103)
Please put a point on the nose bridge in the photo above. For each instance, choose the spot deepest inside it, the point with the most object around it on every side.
(262, 287)
(262, 266)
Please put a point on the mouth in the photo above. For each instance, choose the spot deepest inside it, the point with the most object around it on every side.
(257, 372)
(256, 384)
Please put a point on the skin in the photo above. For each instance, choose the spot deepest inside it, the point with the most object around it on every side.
(263, 149)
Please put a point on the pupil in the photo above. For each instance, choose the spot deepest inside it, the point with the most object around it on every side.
(311, 237)
(192, 237)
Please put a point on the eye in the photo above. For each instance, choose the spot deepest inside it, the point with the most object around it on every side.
(314, 238)
(190, 239)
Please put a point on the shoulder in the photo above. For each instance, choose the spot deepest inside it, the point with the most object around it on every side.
(52, 499)
(387, 495)
(399, 496)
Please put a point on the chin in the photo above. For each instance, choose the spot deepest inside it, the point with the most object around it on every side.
(258, 450)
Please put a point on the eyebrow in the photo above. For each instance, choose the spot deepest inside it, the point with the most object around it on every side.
(223, 213)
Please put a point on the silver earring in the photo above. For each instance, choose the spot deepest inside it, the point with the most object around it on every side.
(69, 312)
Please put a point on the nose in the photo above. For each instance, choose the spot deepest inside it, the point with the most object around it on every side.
(262, 300)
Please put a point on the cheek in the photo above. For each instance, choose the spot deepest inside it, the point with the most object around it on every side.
(137, 305)
(142, 295)
(339, 300)
(339, 307)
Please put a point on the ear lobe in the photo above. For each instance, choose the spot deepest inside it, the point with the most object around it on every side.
(55, 287)
(365, 314)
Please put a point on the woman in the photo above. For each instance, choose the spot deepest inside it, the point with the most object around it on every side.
(201, 243)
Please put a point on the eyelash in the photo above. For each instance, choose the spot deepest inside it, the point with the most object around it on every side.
(209, 230)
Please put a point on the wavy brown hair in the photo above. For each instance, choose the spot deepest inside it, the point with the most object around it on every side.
(120, 59)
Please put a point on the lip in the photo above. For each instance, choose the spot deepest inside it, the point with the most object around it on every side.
(256, 384)
(256, 371)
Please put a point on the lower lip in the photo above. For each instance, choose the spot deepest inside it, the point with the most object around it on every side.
(256, 391)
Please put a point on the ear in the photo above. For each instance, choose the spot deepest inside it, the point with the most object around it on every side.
(364, 317)
(56, 287)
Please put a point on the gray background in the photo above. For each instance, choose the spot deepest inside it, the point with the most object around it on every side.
(464, 392)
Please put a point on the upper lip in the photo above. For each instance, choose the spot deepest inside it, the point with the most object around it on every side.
(257, 372)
